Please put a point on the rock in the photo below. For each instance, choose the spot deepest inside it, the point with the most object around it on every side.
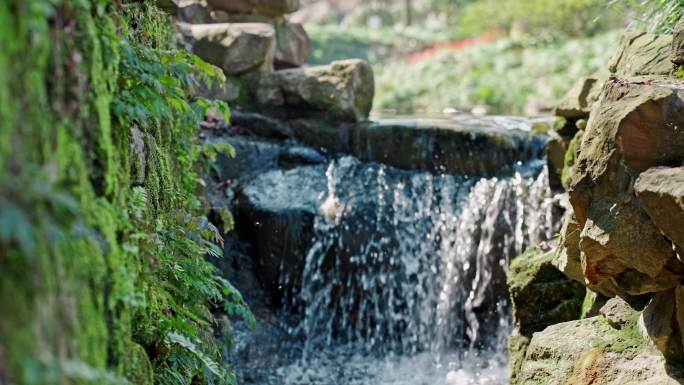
(342, 90)
(568, 258)
(260, 125)
(170, 6)
(275, 214)
(593, 302)
(251, 157)
(294, 156)
(235, 48)
(323, 135)
(517, 346)
(632, 128)
(193, 12)
(617, 312)
(139, 369)
(610, 244)
(661, 195)
(555, 157)
(540, 293)
(658, 322)
(138, 156)
(589, 351)
(677, 55)
(641, 53)
(679, 304)
(577, 102)
(292, 45)
(470, 146)
(268, 8)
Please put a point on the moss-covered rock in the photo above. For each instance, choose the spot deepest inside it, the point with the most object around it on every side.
(633, 128)
(540, 293)
(590, 351)
(342, 90)
(641, 53)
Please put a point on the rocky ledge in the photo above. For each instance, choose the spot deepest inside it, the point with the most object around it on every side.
(623, 155)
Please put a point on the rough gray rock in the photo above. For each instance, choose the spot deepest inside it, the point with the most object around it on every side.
(342, 90)
(236, 48)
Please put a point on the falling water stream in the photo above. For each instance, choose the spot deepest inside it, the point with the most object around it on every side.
(405, 279)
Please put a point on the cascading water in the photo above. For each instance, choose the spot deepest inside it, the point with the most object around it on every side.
(405, 279)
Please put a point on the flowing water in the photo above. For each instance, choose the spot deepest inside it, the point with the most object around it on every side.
(405, 278)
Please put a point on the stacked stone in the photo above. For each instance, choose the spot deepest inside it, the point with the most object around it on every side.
(623, 235)
(263, 55)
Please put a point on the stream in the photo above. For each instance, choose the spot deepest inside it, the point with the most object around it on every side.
(385, 276)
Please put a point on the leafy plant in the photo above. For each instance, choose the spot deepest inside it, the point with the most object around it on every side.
(104, 267)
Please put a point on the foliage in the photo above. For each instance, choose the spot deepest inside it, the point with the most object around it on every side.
(659, 16)
(565, 17)
(104, 274)
(510, 76)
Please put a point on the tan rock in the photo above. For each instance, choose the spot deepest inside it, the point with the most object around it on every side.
(617, 312)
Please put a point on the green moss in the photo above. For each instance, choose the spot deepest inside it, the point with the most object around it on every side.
(627, 341)
(571, 159)
(87, 259)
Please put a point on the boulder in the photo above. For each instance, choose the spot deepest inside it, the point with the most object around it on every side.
(268, 8)
(540, 293)
(590, 351)
(292, 45)
(634, 127)
(641, 53)
(323, 135)
(342, 90)
(235, 48)
(661, 195)
(576, 104)
(677, 55)
(470, 146)
(617, 312)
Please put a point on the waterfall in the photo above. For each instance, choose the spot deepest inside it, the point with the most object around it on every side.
(413, 264)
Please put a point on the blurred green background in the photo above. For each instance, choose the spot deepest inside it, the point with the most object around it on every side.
(483, 56)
